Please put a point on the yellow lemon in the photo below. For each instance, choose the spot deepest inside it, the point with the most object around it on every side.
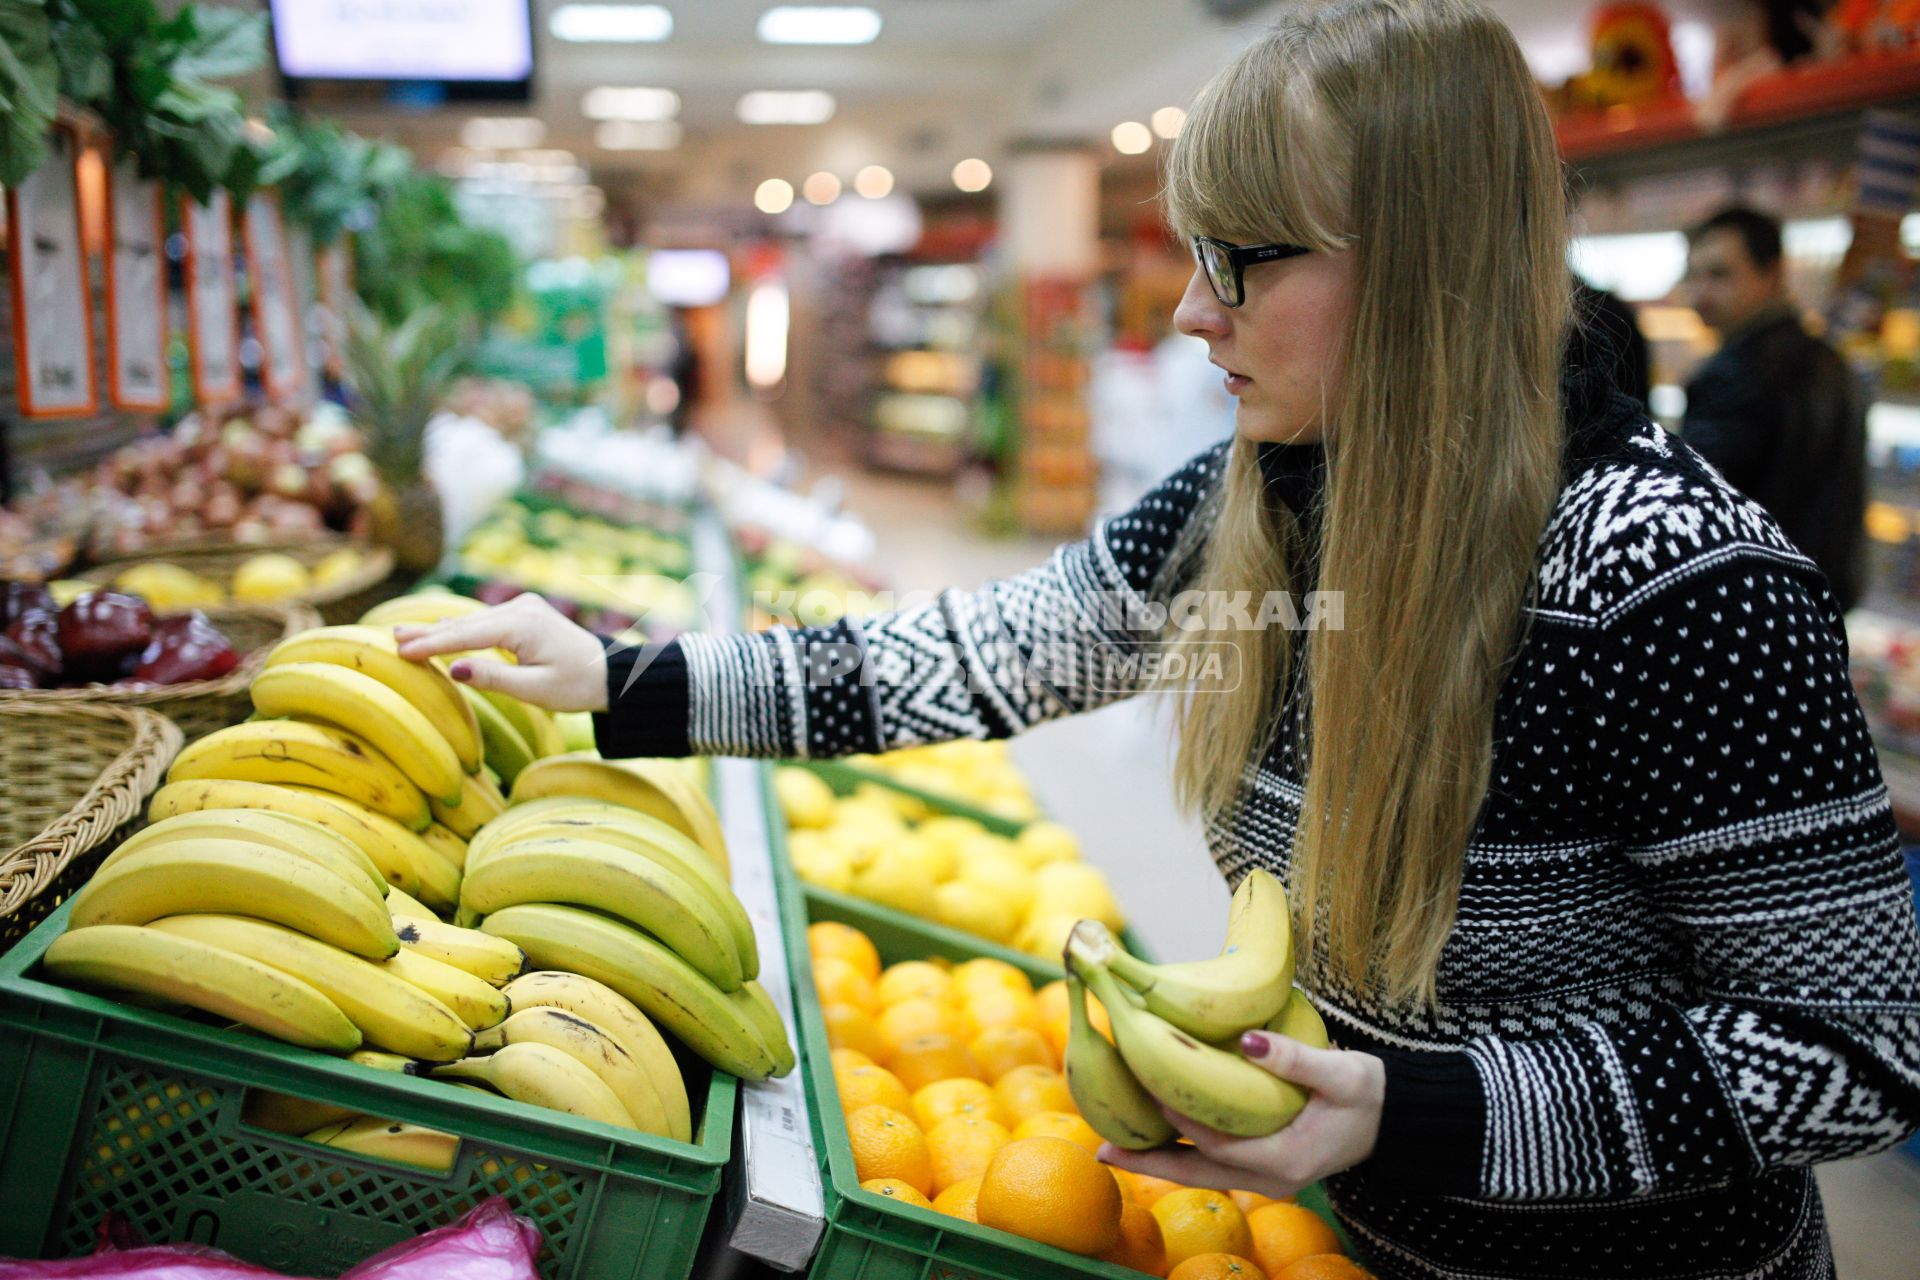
(336, 566)
(270, 576)
(804, 797)
(895, 881)
(1001, 872)
(1075, 888)
(971, 907)
(1045, 842)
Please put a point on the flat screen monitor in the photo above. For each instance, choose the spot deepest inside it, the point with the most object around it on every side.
(456, 49)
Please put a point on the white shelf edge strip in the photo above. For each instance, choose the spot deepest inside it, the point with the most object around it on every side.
(781, 1217)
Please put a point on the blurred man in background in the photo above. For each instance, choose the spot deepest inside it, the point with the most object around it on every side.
(1775, 410)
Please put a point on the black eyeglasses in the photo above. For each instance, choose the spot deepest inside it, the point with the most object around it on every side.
(1226, 264)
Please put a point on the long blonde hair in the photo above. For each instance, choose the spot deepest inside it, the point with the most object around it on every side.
(1408, 132)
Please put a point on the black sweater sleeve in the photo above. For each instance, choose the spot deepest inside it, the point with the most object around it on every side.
(646, 711)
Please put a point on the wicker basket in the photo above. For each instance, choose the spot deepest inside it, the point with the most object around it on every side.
(337, 602)
(200, 706)
(77, 778)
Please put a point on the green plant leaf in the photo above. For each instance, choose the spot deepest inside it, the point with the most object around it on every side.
(226, 43)
(29, 87)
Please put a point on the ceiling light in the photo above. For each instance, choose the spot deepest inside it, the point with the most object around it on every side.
(1167, 122)
(772, 106)
(617, 102)
(1130, 137)
(821, 188)
(611, 23)
(637, 135)
(502, 133)
(972, 175)
(873, 182)
(775, 195)
(816, 24)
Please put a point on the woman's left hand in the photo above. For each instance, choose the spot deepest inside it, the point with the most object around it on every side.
(1336, 1130)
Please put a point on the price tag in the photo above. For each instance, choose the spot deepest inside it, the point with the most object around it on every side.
(52, 324)
(336, 300)
(213, 324)
(136, 291)
(276, 319)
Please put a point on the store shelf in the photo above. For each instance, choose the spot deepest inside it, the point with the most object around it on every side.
(1784, 113)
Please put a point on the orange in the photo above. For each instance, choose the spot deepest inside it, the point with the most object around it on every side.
(985, 1009)
(960, 1096)
(999, 1050)
(848, 1059)
(888, 1144)
(917, 1016)
(1195, 1221)
(871, 1087)
(1140, 1246)
(894, 1189)
(1050, 1010)
(962, 1200)
(1148, 1190)
(961, 1148)
(1323, 1266)
(1049, 1190)
(844, 942)
(1059, 1124)
(850, 1028)
(1217, 1266)
(1284, 1233)
(1250, 1200)
(838, 982)
(911, 978)
(1025, 1090)
(926, 1059)
(988, 974)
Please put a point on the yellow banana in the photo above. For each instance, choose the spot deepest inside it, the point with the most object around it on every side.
(1237, 990)
(1104, 1088)
(621, 883)
(284, 1113)
(390, 1013)
(405, 906)
(671, 992)
(390, 1140)
(342, 696)
(381, 1060)
(620, 1018)
(507, 750)
(757, 1005)
(594, 1047)
(629, 829)
(534, 724)
(1219, 1088)
(295, 835)
(654, 787)
(130, 958)
(494, 961)
(379, 837)
(1299, 1020)
(544, 1077)
(306, 755)
(421, 608)
(238, 877)
(476, 1004)
(372, 652)
(450, 848)
(480, 803)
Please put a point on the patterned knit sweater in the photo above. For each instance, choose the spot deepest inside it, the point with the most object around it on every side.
(1685, 965)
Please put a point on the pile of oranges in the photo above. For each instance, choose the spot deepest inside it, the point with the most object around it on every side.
(950, 1085)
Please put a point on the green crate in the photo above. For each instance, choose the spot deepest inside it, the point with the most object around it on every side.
(872, 1237)
(109, 1108)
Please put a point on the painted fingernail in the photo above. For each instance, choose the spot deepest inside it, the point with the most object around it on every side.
(1254, 1044)
(462, 671)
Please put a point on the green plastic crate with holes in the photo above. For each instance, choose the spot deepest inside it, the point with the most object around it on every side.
(872, 1237)
(109, 1108)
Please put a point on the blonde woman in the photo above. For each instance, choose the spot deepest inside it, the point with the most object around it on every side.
(1576, 806)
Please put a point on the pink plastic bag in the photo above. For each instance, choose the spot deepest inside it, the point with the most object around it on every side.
(490, 1243)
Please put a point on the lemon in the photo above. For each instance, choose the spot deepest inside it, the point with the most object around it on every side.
(818, 862)
(940, 859)
(1076, 889)
(804, 796)
(1045, 934)
(1002, 872)
(951, 833)
(895, 881)
(1045, 842)
(972, 907)
(336, 566)
(903, 806)
(867, 813)
(270, 576)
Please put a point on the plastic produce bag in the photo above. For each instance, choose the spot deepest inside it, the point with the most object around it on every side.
(490, 1243)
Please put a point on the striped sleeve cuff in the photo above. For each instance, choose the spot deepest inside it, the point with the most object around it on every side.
(647, 694)
(745, 695)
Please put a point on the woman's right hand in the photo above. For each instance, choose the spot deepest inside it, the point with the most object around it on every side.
(560, 666)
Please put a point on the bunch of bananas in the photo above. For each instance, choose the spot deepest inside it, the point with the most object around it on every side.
(618, 870)
(1176, 1028)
